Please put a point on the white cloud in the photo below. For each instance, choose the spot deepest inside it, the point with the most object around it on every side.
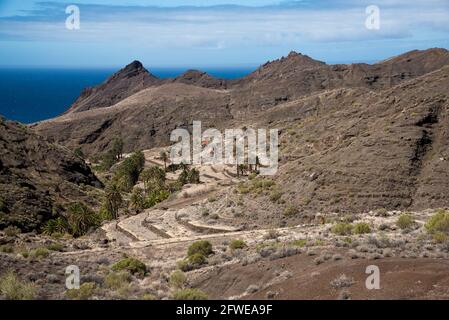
(232, 27)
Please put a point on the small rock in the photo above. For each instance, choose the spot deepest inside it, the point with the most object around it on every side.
(252, 289)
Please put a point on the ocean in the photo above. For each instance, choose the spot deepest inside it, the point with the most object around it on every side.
(31, 95)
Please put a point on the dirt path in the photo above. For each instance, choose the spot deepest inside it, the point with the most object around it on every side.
(174, 220)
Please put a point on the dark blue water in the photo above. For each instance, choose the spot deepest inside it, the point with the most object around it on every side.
(30, 95)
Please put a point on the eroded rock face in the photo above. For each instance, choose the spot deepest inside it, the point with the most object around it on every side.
(36, 177)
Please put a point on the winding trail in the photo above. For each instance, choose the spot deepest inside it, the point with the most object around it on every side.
(173, 221)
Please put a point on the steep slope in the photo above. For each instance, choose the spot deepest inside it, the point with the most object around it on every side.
(124, 83)
(143, 120)
(36, 177)
(356, 150)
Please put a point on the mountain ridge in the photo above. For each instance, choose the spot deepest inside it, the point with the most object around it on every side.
(277, 83)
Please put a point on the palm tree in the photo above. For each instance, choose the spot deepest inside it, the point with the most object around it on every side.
(153, 177)
(145, 176)
(164, 157)
(80, 219)
(257, 163)
(137, 199)
(113, 199)
(117, 148)
(238, 168)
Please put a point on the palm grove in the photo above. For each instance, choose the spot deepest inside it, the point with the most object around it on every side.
(123, 194)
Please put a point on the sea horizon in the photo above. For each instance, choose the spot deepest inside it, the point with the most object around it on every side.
(51, 91)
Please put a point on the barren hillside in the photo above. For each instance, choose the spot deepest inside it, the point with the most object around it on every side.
(37, 177)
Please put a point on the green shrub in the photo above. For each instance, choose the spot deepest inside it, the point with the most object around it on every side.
(85, 292)
(362, 228)
(7, 248)
(132, 265)
(14, 289)
(40, 252)
(237, 244)
(438, 223)
(262, 184)
(275, 196)
(255, 186)
(203, 246)
(189, 294)
(197, 259)
(12, 231)
(440, 237)
(148, 297)
(55, 246)
(290, 211)
(117, 280)
(252, 176)
(405, 221)
(184, 265)
(342, 229)
(178, 279)
(243, 188)
(299, 243)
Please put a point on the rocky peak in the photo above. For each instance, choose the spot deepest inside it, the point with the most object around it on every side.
(131, 70)
(122, 84)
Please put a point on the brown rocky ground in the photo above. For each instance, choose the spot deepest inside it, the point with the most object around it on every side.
(38, 177)
(298, 278)
(294, 262)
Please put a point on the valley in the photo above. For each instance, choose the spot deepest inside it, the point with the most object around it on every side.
(362, 181)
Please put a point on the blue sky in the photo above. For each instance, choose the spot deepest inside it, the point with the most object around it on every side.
(214, 33)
